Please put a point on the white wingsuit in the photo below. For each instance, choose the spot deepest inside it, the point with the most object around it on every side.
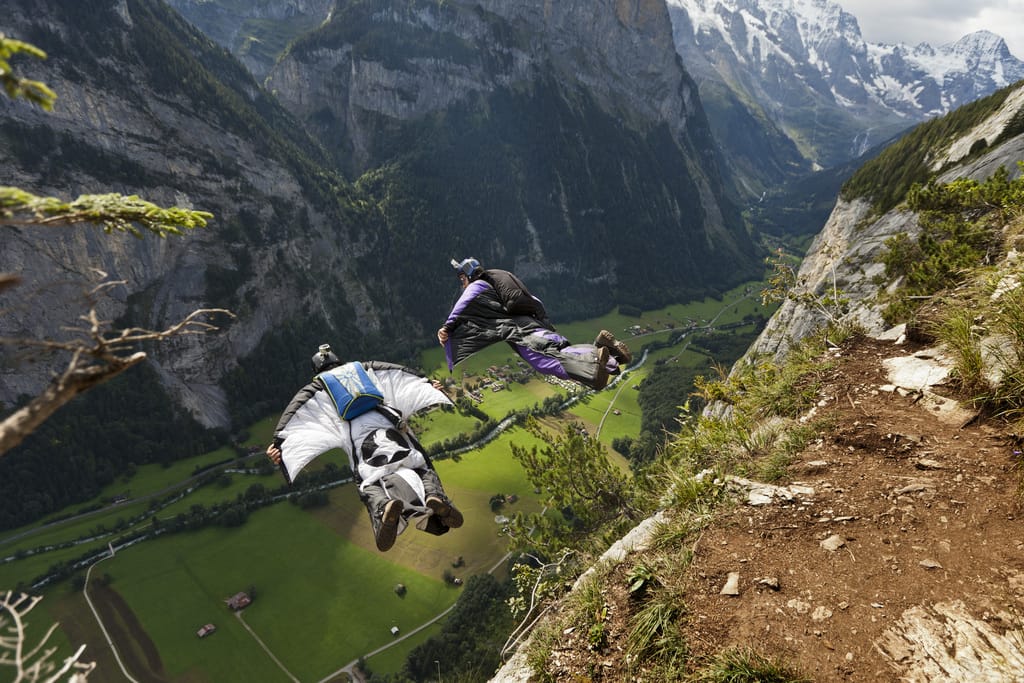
(387, 460)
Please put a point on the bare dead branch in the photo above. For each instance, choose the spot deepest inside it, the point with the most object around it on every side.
(33, 664)
(97, 355)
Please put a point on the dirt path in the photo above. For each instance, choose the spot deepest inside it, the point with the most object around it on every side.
(926, 512)
(898, 557)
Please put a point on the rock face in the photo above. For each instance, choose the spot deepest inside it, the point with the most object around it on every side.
(620, 51)
(563, 140)
(127, 124)
(255, 32)
(845, 254)
(535, 112)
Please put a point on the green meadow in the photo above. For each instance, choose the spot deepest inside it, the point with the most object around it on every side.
(309, 586)
(324, 595)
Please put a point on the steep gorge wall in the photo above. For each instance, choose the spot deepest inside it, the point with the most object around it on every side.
(845, 255)
(564, 140)
(120, 124)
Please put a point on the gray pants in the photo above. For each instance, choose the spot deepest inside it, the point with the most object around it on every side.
(393, 487)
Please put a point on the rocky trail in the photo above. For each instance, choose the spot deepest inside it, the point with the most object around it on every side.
(891, 551)
(899, 555)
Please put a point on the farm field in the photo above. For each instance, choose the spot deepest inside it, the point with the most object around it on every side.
(323, 595)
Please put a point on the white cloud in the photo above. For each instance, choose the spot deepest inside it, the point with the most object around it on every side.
(938, 21)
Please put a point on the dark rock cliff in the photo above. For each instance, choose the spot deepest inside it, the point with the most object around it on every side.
(564, 140)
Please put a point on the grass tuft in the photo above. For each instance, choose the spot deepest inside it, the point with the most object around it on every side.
(745, 665)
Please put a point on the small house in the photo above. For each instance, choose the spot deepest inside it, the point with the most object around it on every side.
(239, 601)
(394, 630)
(206, 630)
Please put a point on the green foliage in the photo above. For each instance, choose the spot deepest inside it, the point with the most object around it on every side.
(662, 393)
(587, 609)
(886, 179)
(960, 225)
(752, 428)
(595, 499)
(535, 585)
(1005, 395)
(784, 283)
(597, 638)
(471, 638)
(17, 87)
(640, 578)
(653, 632)
(763, 387)
(113, 212)
(967, 197)
(92, 441)
(963, 338)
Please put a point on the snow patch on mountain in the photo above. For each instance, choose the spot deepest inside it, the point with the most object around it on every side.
(917, 82)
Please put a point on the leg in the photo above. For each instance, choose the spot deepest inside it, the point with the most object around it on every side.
(384, 515)
(437, 501)
(551, 354)
(587, 364)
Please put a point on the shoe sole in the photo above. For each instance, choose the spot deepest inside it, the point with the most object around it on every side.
(446, 512)
(388, 531)
(622, 353)
(618, 349)
(604, 338)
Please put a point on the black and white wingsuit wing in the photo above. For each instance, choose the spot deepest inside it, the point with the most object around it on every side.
(311, 426)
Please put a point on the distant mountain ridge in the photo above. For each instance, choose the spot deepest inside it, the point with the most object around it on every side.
(596, 180)
(803, 66)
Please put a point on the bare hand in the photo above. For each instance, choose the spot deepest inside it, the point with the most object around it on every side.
(442, 336)
(274, 453)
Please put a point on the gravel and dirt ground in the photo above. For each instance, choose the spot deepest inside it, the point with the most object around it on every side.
(898, 557)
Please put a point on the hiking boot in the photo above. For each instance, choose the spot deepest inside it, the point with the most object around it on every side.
(604, 338)
(601, 376)
(445, 511)
(620, 352)
(387, 532)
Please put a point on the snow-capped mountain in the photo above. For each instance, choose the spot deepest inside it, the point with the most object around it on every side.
(804, 66)
(923, 81)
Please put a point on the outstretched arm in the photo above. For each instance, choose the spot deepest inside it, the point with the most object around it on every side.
(468, 294)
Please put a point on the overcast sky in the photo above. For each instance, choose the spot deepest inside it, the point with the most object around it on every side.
(938, 21)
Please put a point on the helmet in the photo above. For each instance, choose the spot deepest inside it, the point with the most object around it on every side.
(324, 359)
(469, 267)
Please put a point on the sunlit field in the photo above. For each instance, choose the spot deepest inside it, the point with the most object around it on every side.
(324, 594)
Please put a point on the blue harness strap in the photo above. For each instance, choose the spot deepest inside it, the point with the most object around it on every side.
(354, 392)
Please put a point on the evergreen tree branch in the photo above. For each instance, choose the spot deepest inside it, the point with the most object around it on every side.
(113, 212)
(17, 87)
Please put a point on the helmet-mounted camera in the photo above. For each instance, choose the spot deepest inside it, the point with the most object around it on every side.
(324, 359)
